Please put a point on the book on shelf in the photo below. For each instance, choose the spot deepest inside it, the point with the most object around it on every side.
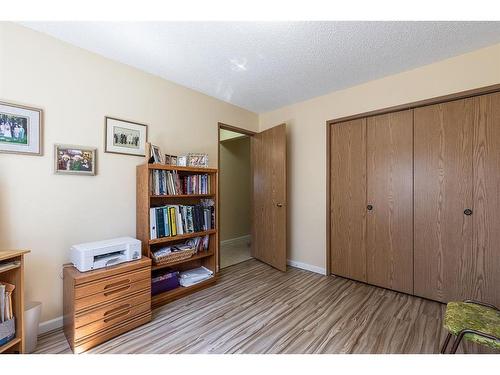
(164, 182)
(173, 220)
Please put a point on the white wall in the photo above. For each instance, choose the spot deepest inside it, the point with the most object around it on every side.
(47, 213)
(307, 133)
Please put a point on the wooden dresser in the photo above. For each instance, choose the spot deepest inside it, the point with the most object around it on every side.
(102, 304)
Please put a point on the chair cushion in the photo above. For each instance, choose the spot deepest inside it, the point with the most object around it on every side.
(461, 315)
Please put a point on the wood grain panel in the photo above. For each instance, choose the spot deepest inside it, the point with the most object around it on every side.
(485, 279)
(269, 205)
(444, 262)
(348, 199)
(390, 191)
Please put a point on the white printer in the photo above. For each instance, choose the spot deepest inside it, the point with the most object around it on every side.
(100, 254)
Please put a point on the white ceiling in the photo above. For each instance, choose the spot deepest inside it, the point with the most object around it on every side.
(262, 66)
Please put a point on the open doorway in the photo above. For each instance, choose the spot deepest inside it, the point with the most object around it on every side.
(235, 195)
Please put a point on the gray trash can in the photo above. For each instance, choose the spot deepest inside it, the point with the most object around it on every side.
(32, 311)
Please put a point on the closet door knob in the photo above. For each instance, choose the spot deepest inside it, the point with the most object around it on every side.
(369, 207)
(468, 211)
(279, 204)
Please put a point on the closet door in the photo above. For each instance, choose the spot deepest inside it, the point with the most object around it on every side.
(484, 279)
(444, 262)
(348, 199)
(390, 201)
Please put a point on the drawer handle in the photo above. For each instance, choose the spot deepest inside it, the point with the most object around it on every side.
(126, 306)
(126, 281)
(111, 292)
(125, 313)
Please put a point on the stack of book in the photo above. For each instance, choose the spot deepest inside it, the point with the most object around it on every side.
(170, 183)
(171, 220)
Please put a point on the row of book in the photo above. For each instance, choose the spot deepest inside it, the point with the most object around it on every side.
(170, 183)
(172, 220)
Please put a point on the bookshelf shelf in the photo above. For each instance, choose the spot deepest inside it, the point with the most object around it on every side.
(146, 200)
(182, 169)
(171, 295)
(10, 344)
(194, 257)
(10, 268)
(181, 237)
(184, 196)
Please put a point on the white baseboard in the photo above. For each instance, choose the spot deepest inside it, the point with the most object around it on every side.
(50, 325)
(231, 241)
(307, 267)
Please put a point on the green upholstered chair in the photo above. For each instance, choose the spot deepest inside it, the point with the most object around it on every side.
(473, 321)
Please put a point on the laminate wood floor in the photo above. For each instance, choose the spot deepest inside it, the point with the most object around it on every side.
(256, 309)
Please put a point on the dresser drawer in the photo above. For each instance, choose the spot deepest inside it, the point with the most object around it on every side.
(111, 283)
(112, 290)
(112, 308)
(120, 315)
(89, 342)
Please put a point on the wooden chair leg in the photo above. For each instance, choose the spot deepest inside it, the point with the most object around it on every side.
(445, 344)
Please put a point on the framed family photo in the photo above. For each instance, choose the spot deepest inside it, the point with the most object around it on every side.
(125, 137)
(20, 129)
(70, 159)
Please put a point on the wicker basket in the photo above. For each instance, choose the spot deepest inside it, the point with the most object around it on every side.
(173, 257)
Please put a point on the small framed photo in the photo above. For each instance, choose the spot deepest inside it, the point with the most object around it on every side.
(197, 160)
(173, 160)
(182, 161)
(156, 154)
(20, 129)
(125, 137)
(71, 159)
(167, 159)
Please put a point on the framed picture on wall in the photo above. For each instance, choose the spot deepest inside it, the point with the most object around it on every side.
(125, 137)
(20, 129)
(69, 159)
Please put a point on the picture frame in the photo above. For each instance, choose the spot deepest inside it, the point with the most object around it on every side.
(197, 160)
(72, 159)
(21, 129)
(125, 137)
(173, 160)
(167, 159)
(156, 154)
(182, 161)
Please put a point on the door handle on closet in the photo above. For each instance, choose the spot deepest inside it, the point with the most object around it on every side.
(369, 207)
(468, 211)
(279, 204)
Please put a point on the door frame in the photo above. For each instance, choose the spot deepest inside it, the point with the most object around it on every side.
(412, 105)
(221, 125)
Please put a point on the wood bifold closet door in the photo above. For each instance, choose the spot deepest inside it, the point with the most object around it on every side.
(444, 259)
(457, 200)
(389, 248)
(269, 205)
(348, 200)
(371, 200)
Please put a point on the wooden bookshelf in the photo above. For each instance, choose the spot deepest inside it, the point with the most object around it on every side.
(15, 275)
(146, 200)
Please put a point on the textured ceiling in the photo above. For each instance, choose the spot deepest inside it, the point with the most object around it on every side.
(265, 65)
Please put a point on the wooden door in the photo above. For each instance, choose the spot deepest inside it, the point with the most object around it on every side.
(269, 205)
(484, 279)
(390, 197)
(444, 262)
(348, 199)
